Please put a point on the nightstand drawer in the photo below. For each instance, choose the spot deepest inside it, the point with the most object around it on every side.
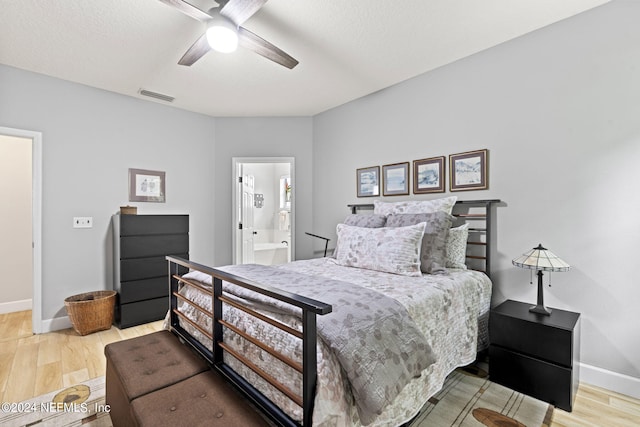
(550, 338)
(545, 381)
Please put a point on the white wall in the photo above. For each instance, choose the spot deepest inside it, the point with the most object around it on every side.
(559, 111)
(90, 139)
(15, 221)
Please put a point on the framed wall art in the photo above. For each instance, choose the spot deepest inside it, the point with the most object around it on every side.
(146, 186)
(428, 175)
(395, 179)
(368, 181)
(468, 171)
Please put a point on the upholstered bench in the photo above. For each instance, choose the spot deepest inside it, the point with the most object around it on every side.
(202, 400)
(155, 380)
(142, 365)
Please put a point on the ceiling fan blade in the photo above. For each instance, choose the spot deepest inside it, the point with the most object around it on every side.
(196, 51)
(257, 44)
(239, 11)
(188, 9)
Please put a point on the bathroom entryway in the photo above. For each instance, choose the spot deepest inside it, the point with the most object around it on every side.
(263, 210)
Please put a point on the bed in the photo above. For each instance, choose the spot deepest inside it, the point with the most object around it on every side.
(363, 337)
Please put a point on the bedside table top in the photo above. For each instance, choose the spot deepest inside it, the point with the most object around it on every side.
(520, 310)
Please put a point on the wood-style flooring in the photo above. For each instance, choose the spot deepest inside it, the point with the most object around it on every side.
(31, 365)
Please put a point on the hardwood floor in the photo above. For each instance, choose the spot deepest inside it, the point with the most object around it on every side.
(31, 365)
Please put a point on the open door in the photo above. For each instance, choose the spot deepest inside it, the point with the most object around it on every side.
(35, 303)
(246, 218)
(263, 210)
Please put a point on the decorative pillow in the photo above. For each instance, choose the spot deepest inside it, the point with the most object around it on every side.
(392, 250)
(366, 220)
(433, 252)
(457, 247)
(363, 220)
(414, 206)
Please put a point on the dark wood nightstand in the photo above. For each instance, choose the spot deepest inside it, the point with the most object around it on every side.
(535, 354)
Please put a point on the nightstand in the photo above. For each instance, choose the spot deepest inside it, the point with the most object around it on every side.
(535, 354)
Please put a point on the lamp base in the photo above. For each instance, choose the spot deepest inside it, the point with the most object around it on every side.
(540, 309)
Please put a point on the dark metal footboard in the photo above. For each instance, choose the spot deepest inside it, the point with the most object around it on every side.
(307, 367)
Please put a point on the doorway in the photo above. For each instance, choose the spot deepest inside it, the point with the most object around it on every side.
(263, 210)
(35, 141)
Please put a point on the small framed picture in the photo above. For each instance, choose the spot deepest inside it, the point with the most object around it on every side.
(468, 171)
(368, 181)
(428, 175)
(146, 186)
(395, 179)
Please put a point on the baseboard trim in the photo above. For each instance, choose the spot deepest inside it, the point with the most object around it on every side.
(13, 306)
(620, 383)
(56, 324)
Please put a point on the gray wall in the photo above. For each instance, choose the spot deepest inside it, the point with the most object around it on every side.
(90, 140)
(263, 137)
(92, 137)
(559, 111)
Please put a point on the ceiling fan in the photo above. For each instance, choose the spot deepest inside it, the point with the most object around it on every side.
(224, 32)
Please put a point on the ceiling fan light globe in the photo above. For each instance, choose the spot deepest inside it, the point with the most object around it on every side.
(222, 37)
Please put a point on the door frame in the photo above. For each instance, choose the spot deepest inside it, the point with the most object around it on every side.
(235, 163)
(36, 218)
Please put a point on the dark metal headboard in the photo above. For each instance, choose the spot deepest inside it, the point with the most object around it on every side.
(478, 213)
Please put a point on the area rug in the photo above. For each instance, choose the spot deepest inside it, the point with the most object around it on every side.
(467, 398)
(80, 405)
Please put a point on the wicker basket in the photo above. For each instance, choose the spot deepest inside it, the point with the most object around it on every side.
(91, 312)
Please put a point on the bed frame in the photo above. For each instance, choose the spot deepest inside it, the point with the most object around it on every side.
(479, 250)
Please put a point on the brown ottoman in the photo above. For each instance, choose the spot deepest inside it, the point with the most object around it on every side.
(202, 400)
(142, 365)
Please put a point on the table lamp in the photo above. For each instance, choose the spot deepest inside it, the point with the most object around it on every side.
(540, 259)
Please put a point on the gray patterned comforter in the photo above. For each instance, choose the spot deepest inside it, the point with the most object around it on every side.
(379, 346)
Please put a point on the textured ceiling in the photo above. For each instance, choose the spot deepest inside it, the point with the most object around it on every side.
(347, 49)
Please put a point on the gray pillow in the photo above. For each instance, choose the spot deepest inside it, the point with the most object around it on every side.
(433, 253)
(366, 220)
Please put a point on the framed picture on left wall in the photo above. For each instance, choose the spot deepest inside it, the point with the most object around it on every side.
(146, 186)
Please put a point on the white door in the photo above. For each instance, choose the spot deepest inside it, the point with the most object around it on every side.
(246, 218)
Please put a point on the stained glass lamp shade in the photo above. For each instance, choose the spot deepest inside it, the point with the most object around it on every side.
(540, 259)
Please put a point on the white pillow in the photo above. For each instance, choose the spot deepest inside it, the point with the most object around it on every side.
(414, 206)
(457, 247)
(392, 250)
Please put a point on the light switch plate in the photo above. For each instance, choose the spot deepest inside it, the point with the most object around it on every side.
(82, 222)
